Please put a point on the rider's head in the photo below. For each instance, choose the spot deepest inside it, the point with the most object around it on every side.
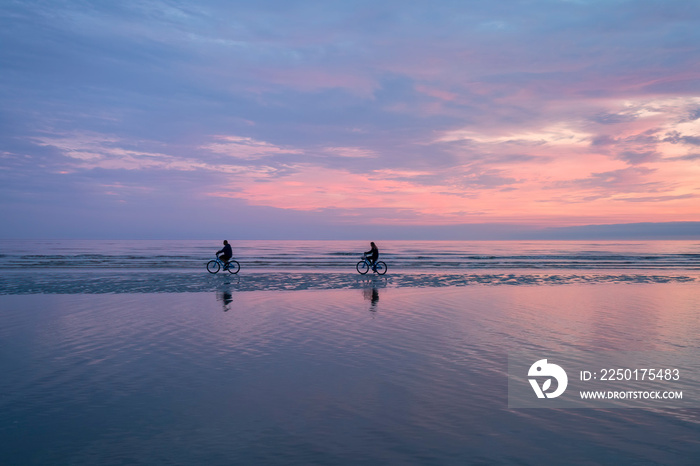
(372, 244)
(225, 242)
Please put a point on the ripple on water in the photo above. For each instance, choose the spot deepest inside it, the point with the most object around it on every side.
(376, 373)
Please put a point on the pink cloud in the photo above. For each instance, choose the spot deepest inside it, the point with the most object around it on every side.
(246, 148)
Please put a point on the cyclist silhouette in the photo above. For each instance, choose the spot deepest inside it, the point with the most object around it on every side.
(373, 255)
(226, 253)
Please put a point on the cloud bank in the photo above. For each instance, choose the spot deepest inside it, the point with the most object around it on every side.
(151, 117)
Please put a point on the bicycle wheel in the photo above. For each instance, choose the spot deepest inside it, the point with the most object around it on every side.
(381, 268)
(213, 266)
(362, 267)
(233, 267)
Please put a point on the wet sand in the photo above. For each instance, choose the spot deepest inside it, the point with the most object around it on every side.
(377, 373)
(127, 281)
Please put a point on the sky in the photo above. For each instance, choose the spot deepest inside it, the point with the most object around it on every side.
(336, 119)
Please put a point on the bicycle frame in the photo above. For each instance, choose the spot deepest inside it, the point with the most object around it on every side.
(378, 267)
(221, 263)
(216, 264)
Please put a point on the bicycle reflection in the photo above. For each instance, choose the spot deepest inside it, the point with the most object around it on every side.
(226, 298)
(371, 294)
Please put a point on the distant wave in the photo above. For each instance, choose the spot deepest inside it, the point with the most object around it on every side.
(343, 255)
(339, 260)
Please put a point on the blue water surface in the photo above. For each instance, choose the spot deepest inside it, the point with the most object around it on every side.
(372, 375)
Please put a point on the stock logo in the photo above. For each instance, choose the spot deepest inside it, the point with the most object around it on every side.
(551, 371)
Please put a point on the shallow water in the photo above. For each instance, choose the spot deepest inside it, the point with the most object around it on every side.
(404, 256)
(99, 281)
(372, 375)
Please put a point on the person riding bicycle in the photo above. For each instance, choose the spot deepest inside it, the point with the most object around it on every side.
(226, 253)
(373, 255)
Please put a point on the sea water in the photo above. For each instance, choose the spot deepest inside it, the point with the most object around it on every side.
(294, 365)
(343, 255)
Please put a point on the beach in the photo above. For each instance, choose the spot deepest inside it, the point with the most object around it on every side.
(349, 233)
(327, 367)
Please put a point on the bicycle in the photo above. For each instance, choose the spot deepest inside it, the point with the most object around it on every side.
(213, 266)
(364, 266)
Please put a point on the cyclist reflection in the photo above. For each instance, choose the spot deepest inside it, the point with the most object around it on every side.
(371, 295)
(225, 297)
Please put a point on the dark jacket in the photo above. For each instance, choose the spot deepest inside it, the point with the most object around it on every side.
(373, 254)
(227, 252)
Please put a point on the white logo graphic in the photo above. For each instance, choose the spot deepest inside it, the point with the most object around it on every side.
(542, 369)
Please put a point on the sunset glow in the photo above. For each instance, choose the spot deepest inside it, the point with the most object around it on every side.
(574, 114)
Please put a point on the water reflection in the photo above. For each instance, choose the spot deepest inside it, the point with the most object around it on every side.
(225, 297)
(225, 292)
(302, 378)
(371, 295)
(370, 292)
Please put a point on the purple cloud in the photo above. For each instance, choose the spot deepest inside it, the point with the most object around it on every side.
(128, 107)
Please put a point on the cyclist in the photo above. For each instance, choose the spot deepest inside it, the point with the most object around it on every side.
(373, 255)
(226, 253)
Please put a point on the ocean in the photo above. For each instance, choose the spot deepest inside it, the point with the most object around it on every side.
(130, 352)
(404, 256)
